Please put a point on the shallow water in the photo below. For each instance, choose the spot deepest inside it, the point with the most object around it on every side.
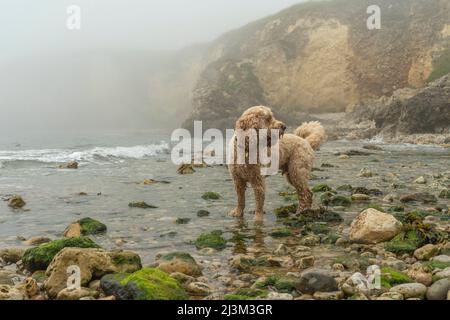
(113, 166)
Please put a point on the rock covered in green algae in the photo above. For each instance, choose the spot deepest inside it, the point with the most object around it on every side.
(93, 264)
(391, 277)
(202, 213)
(181, 262)
(247, 294)
(182, 220)
(91, 226)
(283, 212)
(281, 233)
(141, 205)
(214, 240)
(284, 284)
(406, 242)
(330, 199)
(38, 258)
(145, 284)
(211, 196)
(321, 187)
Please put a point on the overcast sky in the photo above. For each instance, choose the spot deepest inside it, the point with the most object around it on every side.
(28, 26)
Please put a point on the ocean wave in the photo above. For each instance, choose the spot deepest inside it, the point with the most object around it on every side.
(89, 155)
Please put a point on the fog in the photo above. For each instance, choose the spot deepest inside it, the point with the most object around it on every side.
(99, 76)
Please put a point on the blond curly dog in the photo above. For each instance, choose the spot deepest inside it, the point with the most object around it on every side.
(296, 156)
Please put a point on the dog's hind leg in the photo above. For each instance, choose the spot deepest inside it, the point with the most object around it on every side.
(240, 186)
(259, 188)
(298, 178)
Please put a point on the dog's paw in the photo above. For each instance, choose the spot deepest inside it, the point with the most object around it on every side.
(236, 213)
(259, 216)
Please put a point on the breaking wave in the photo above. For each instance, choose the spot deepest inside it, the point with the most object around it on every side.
(88, 155)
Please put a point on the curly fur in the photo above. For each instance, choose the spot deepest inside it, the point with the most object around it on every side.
(296, 159)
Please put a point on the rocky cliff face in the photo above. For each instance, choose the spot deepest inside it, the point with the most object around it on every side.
(320, 57)
(410, 111)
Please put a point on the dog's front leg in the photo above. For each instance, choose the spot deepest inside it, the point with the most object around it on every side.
(240, 186)
(259, 188)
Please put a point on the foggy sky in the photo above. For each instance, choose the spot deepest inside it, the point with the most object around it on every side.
(43, 85)
(29, 25)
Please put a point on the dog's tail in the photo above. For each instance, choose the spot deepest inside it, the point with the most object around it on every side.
(313, 132)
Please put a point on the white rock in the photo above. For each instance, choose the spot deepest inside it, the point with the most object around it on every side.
(279, 296)
(373, 226)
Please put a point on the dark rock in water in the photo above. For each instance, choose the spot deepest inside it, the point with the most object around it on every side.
(145, 284)
(313, 215)
(69, 165)
(142, 205)
(202, 213)
(327, 165)
(330, 199)
(211, 196)
(354, 153)
(372, 147)
(369, 192)
(185, 169)
(316, 280)
(182, 220)
(16, 202)
(439, 290)
(420, 197)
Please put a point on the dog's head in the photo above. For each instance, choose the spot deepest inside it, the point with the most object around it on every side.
(260, 117)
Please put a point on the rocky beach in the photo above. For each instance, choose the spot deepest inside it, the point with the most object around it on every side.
(155, 232)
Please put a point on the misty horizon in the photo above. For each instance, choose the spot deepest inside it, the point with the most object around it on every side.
(99, 77)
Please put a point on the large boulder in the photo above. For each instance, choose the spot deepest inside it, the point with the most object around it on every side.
(145, 284)
(38, 258)
(93, 264)
(179, 262)
(373, 226)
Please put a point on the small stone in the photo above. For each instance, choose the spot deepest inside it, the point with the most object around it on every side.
(335, 295)
(439, 290)
(76, 294)
(419, 197)
(185, 169)
(181, 262)
(73, 230)
(11, 255)
(391, 296)
(410, 290)
(16, 202)
(365, 173)
(360, 197)
(199, 288)
(338, 267)
(202, 213)
(426, 252)
(344, 157)
(310, 240)
(306, 262)
(281, 250)
(420, 180)
(279, 296)
(69, 165)
(442, 258)
(35, 241)
(141, 205)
